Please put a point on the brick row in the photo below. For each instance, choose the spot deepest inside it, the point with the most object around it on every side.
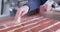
(10, 28)
(29, 18)
(43, 26)
(52, 29)
(22, 29)
(40, 25)
(55, 27)
(38, 20)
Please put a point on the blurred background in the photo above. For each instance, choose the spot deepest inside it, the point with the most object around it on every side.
(8, 8)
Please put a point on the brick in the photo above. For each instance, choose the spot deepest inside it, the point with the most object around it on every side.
(43, 26)
(10, 28)
(55, 27)
(22, 29)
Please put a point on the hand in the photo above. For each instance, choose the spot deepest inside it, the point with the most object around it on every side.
(23, 10)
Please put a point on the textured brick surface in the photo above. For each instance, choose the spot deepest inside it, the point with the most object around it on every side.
(34, 24)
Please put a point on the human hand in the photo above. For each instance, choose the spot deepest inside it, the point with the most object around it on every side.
(23, 10)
